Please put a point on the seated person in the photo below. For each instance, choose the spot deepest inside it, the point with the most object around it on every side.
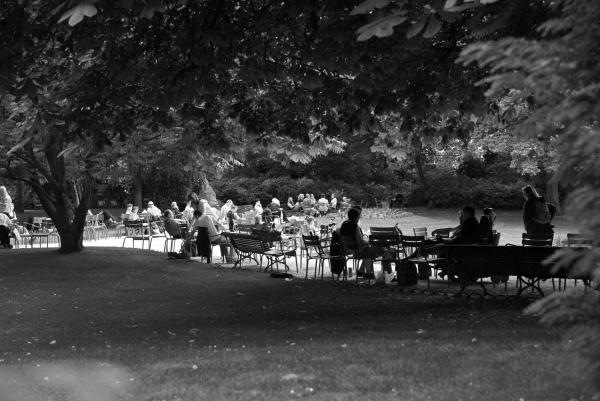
(202, 220)
(322, 205)
(175, 208)
(486, 224)
(128, 211)
(153, 211)
(309, 227)
(108, 219)
(290, 203)
(469, 231)
(5, 229)
(171, 225)
(134, 216)
(352, 237)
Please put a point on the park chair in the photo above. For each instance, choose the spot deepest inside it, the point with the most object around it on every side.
(420, 232)
(315, 251)
(245, 228)
(204, 246)
(136, 231)
(276, 251)
(415, 248)
(536, 240)
(578, 240)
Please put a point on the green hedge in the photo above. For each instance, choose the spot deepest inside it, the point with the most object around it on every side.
(245, 190)
(451, 190)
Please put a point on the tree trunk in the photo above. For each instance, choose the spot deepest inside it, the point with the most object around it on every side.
(136, 185)
(418, 159)
(20, 198)
(552, 192)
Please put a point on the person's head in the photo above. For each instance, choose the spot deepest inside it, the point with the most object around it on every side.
(332, 196)
(257, 203)
(530, 193)
(174, 205)
(234, 208)
(354, 213)
(466, 213)
(135, 209)
(197, 213)
(290, 200)
(488, 211)
(322, 195)
(300, 197)
(129, 207)
(150, 204)
(3, 192)
(309, 220)
(168, 214)
(229, 202)
(275, 201)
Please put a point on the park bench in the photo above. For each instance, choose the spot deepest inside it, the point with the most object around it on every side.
(247, 246)
(529, 264)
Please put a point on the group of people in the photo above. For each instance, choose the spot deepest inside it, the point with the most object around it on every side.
(537, 219)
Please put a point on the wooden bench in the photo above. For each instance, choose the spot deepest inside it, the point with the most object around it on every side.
(528, 263)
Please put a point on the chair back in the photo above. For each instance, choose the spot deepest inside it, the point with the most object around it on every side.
(412, 243)
(134, 229)
(420, 232)
(578, 239)
(312, 243)
(536, 240)
(245, 228)
(385, 230)
(203, 244)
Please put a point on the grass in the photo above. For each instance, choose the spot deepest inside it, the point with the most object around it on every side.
(127, 324)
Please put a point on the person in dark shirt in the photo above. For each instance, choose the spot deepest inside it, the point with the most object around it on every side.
(353, 240)
(469, 230)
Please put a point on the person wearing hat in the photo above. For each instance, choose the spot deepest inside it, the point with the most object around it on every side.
(153, 210)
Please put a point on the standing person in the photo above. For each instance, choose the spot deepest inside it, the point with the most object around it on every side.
(537, 213)
(5, 201)
(258, 211)
(333, 203)
(232, 216)
(226, 208)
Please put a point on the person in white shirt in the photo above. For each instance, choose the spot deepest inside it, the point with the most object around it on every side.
(215, 237)
(209, 211)
(322, 205)
(134, 216)
(188, 212)
(5, 200)
(226, 208)
(153, 210)
(258, 211)
(333, 203)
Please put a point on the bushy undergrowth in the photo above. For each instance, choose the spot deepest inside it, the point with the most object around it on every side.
(244, 190)
(446, 189)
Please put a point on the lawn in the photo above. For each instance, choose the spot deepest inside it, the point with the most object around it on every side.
(112, 324)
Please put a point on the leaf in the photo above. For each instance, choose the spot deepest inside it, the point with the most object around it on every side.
(380, 28)
(433, 27)
(416, 28)
(19, 145)
(76, 14)
(369, 5)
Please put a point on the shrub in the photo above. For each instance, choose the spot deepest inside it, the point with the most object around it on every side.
(446, 189)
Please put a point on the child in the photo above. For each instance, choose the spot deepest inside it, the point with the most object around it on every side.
(232, 216)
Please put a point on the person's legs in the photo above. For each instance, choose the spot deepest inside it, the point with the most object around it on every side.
(226, 248)
(4, 239)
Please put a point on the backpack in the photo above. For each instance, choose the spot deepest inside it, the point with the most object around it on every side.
(541, 212)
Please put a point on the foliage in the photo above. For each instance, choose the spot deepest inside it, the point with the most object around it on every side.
(447, 189)
(560, 73)
(247, 190)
